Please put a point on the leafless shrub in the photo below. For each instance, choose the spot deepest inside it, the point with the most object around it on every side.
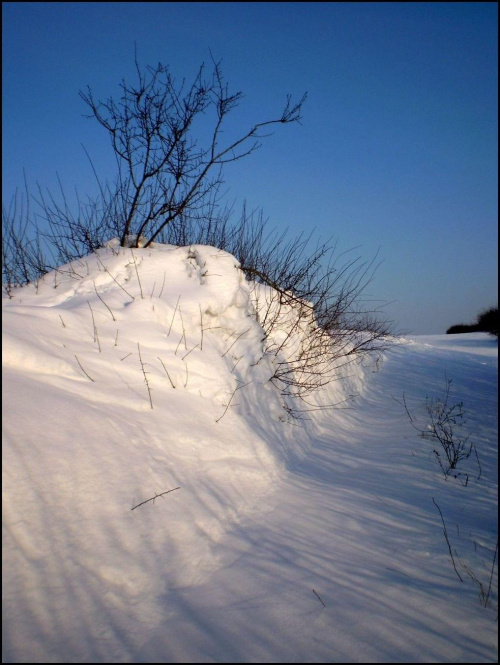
(310, 304)
(166, 172)
(308, 297)
(23, 258)
(444, 426)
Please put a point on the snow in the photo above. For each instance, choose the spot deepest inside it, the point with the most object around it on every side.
(316, 540)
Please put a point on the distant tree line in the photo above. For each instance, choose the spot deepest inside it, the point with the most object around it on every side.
(487, 321)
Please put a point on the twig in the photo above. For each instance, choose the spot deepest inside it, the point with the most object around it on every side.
(145, 377)
(96, 336)
(114, 279)
(137, 273)
(484, 595)
(64, 325)
(173, 316)
(164, 276)
(201, 325)
(478, 462)
(183, 330)
(403, 403)
(319, 598)
(166, 371)
(155, 497)
(87, 375)
(240, 335)
(179, 343)
(234, 366)
(491, 576)
(194, 347)
(109, 310)
(230, 399)
(447, 541)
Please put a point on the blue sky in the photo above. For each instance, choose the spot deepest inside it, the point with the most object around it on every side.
(397, 148)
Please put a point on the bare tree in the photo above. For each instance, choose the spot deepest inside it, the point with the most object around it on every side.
(164, 173)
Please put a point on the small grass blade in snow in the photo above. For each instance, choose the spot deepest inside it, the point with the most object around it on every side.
(137, 273)
(319, 598)
(230, 400)
(114, 279)
(240, 335)
(87, 375)
(96, 336)
(163, 285)
(155, 497)
(145, 375)
(166, 371)
(173, 316)
(108, 308)
(194, 347)
(447, 540)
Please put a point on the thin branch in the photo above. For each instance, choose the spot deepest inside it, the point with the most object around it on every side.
(96, 336)
(201, 328)
(230, 399)
(137, 273)
(163, 285)
(173, 316)
(240, 335)
(87, 375)
(447, 540)
(319, 598)
(109, 310)
(166, 372)
(114, 279)
(155, 497)
(145, 375)
(194, 347)
(491, 576)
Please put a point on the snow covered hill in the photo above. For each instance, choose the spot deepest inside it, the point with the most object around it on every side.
(138, 374)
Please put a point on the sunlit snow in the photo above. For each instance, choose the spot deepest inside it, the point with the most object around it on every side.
(134, 372)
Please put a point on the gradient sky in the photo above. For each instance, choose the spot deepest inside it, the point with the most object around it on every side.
(397, 148)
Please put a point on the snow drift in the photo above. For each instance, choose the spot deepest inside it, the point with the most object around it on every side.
(134, 372)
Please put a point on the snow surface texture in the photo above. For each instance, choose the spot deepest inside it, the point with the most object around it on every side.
(316, 541)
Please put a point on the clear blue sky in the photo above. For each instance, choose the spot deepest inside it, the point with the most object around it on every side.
(398, 146)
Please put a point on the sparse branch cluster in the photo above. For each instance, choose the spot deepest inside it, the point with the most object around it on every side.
(165, 170)
(444, 428)
(308, 298)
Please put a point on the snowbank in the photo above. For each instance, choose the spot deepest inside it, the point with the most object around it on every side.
(133, 372)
